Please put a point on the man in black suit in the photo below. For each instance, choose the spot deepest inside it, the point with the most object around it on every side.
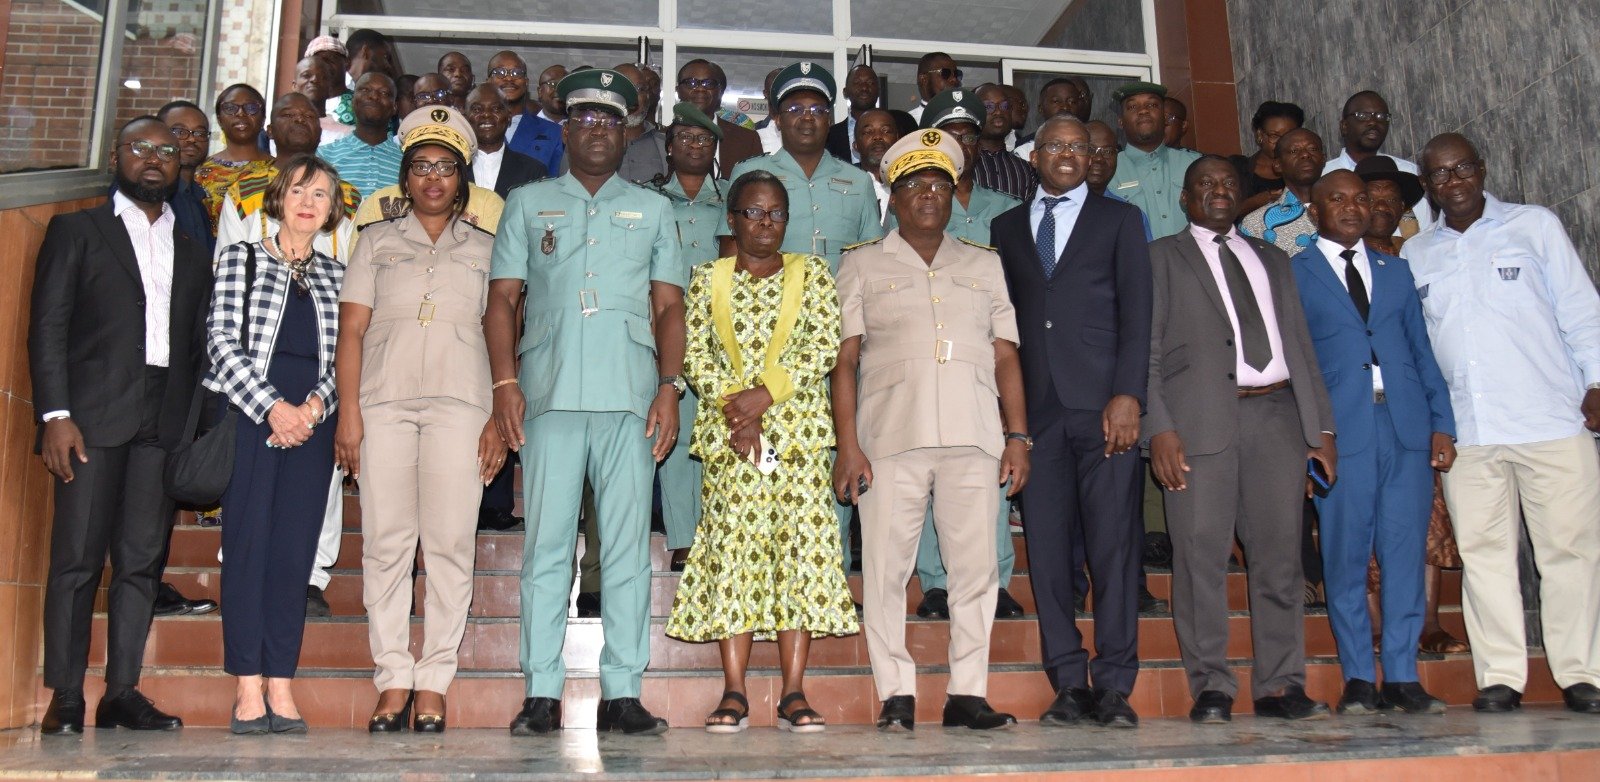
(494, 165)
(115, 346)
(862, 89)
(1079, 274)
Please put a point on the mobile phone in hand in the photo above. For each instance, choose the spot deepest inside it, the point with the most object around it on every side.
(1320, 485)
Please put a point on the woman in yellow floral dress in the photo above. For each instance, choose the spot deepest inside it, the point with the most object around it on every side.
(763, 334)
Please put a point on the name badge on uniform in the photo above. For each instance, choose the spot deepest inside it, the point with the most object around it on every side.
(547, 245)
(629, 215)
(1509, 273)
(838, 181)
(1126, 185)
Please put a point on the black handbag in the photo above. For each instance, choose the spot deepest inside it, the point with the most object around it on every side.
(200, 468)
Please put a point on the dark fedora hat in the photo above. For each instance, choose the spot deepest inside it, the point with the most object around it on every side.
(1382, 167)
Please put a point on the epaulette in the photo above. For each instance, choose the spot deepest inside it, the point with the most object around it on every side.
(480, 228)
(965, 240)
(849, 247)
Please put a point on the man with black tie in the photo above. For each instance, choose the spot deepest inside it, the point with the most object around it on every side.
(114, 346)
(1236, 407)
(1078, 270)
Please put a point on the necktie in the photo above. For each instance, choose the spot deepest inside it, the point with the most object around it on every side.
(1046, 240)
(1358, 289)
(1252, 328)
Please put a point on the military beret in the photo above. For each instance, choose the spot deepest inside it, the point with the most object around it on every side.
(438, 125)
(957, 105)
(1133, 88)
(928, 148)
(686, 113)
(803, 75)
(600, 88)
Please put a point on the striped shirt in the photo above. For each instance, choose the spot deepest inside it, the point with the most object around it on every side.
(1006, 173)
(370, 167)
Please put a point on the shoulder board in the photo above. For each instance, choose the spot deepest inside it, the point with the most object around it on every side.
(849, 247)
(479, 228)
(965, 240)
(352, 198)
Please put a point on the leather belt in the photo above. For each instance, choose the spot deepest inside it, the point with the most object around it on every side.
(1249, 391)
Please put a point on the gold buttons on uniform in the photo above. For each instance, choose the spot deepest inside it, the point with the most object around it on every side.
(930, 275)
(430, 270)
(936, 300)
(939, 325)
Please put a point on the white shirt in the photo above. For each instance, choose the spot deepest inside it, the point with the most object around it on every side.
(882, 192)
(1066, 212)
(1330, 250)
(557, 120)
(1514, 320)
(152, 246)
(1023, 150)
(511, 130)
(1421, 212)
(916, 111)
(486, 167)
(771, 141)
(1261, 286)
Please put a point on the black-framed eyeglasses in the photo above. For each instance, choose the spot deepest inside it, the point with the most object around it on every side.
(756, 213)
(183, 134)
(508, 73)
(1002, 105)
(948, 74)
(235, 109)
(1466, 169)
(1369, 116)
(591, 121)
(919, 186)
(144, 150)
(816, 110)
(700, 84)
(439, 96)
(696, 139)
(444, 168)
(1070, 147)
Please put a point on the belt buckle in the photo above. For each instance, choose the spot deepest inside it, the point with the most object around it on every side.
(588, 301)
(819, 245)
(943, 350)
(425, 312)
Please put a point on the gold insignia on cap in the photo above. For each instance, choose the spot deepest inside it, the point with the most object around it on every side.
(605, 80)
(930, 138)
(439, 115)
(805, 68)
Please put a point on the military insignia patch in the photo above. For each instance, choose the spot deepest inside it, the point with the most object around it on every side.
(805, 68)
(930, 138)
(439, 115)
(605, 80)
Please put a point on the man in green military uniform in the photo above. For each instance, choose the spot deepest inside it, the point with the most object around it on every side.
(1149, 173)
(596, 396)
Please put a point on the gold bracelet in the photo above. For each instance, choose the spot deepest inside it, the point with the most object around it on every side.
(508, 381)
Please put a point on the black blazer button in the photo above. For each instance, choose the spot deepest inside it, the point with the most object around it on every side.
(1230, 343)
(1230, 375)
(1369, 333)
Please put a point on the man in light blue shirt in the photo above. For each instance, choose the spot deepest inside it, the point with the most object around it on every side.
(1515, 324)
(369, 157)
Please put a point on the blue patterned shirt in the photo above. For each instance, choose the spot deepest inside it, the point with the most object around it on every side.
(370, 167)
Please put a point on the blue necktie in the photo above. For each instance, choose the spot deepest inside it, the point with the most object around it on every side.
(1046, 240)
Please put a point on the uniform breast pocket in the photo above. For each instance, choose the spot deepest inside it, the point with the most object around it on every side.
(635, 233)
(842, 197)
(886, 299)
(977, 292)
(1515, 281)
(554, 240)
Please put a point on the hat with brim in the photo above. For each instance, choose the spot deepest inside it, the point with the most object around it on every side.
(686, 113)
(930, 148)
(598, 88)
(957, 105)
(1382, 167)
(1133, 88)
(441, 125)
(803, 75)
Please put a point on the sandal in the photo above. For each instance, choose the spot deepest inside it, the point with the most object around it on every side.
(791, 720)
(730, 720)
(1442, 642)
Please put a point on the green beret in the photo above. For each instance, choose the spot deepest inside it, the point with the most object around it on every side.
(955, 105)
(686, 113)
(599, 88)
(1133, 88)
(803, 75)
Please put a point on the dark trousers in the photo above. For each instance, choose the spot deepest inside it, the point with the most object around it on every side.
(115, 504)
(1078, 494)
(499, 495)
(1255, 489)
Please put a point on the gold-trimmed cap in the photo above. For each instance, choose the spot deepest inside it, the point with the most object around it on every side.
(930, 148)
(439, 125)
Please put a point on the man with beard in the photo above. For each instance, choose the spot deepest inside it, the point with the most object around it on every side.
(996, 168)
(550, 107)
(861, 88)
(368, 158)
(1363, 127)
(530, 134)
(1149, 173)
(115, 348)
(645, 159)
(1285, 222)
(702, 83)
(494, 166)
(1066, 94)
(876, 130)
(600, 260)
(457, 70)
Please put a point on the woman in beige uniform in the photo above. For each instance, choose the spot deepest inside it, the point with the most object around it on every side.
(415, 371)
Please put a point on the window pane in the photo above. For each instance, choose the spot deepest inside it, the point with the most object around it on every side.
(1105, 25)
(791, 16)
(52, 56)
(636, 12)
(160, 56)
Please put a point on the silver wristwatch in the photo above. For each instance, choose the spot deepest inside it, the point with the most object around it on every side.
(676, 381)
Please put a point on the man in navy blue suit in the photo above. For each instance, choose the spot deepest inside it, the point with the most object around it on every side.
(1078, 269)
(1392, 410)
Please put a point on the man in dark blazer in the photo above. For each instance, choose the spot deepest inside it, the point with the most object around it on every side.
(1395, 422)
(495, 164)
(862, 89)
(115, 346)
(1078, 270)
(1236, 406)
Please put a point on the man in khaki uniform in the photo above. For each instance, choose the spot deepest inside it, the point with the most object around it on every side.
(929, 330)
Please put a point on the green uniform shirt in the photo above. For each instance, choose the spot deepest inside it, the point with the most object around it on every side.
(969, 222)
(698, 218)
(1152, 182)
(833, 209)
(588, 262)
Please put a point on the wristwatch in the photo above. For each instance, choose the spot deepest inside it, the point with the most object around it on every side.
(676, 381)
(1027, 442)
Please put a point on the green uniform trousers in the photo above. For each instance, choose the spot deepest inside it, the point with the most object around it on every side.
(680, 476)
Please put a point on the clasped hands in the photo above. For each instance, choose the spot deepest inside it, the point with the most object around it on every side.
(292, 425)
(742, 411)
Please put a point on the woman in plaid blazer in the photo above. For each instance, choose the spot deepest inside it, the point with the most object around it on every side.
(272, 357)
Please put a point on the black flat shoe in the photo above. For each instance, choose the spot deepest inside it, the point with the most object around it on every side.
(974, 712)
(1071, 705)
(1112, 710)
(588, 605)
(392, 722)
(316, 603)
(1006, 606)
(65, 715)
(1583, 698)
(281, 724)
(1360, 698)
(629, 716)
(899, 713)
(935, 604)
(133, 711)
(1410, 698)
(805, 720)
(1291, 705)
(538, 716)
(1497, 699)
(1212, 708)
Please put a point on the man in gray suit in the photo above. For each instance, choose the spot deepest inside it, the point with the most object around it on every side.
(1236, 406)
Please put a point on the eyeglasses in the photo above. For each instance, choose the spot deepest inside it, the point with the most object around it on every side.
(814, 110)
(183, 134)
(1369, 116)
(1002, 105)
(1466, 169)
(755, 213)
(551, 83)
(1104, 152)
(436, 96)
(965, 139)
(918, 186)
(235, 109)
(1173, 119)
(700, 84)
(591, 121)
(696, 139)
(1058, 147)
(144, 150)
(508, 73)
(948, 74)
(444, 168)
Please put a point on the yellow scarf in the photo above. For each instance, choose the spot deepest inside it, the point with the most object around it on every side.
(773, 376)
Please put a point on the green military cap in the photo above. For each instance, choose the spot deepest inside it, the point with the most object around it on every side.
(686, 113)
(955, 105)
(598, 88)
(1133, 88)
(803, 75)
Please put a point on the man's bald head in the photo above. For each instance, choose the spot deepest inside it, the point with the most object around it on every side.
(1447, 142)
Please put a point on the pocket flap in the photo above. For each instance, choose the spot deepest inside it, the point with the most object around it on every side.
(534, 337)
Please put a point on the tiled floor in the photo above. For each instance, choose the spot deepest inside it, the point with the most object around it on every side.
(1540, 742)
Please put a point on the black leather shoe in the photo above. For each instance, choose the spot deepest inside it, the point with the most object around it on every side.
(1410, 698)
(1071, 705)
(538, 716)
(392, 722)
(1111, 709)
(497, 519)
(1360, 698)
(972, 711)
(935, 604)
(1583, 698)
(1006, 606)
(65, 715)
(628, 715)
(1150, 604)
(316, 604)
(1212, 708)
(133, 711)
(588, 605)
(1497, 699)
(1291, 705)
(169, 602)
(899, 713)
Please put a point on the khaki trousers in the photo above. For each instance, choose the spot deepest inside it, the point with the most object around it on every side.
(963, 483)
(1557, 485)
(419, 483)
